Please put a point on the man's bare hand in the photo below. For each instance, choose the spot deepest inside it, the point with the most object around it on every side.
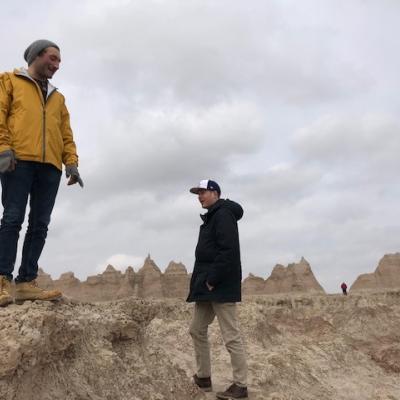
(209, 287)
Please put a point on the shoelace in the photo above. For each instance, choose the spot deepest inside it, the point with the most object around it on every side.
(4, 285)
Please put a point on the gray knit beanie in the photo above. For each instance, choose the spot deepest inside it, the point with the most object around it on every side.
(35, 48)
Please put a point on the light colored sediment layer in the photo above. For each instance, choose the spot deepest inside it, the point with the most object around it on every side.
(303, 347)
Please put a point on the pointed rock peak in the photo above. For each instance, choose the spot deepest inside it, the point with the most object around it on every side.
(67, 276)
(42, 273)
(110, 268)
(175, 268)
(386, 275)
(279, 268)
(130, 271)
(252, 277)
(149, 265)
(388, 261)
(293, 278)
(302, 266)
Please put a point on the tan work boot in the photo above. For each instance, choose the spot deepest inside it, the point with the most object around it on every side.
(5, 291)
(31, 291)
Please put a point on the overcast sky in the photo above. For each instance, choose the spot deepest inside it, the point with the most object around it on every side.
(292, 106)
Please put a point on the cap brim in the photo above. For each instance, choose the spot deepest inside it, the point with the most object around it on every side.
(194, 190)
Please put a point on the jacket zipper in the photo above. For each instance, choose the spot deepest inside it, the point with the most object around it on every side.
(44, 132)
(44, 102)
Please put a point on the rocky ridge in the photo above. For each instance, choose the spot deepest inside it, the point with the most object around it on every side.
(148, 282)
(151, 282)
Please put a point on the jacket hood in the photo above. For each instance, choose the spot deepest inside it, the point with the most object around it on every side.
(235, 208)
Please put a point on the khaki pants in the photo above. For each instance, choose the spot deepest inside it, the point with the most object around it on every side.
(204, 314)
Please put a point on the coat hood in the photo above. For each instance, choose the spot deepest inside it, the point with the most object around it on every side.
(235, 208)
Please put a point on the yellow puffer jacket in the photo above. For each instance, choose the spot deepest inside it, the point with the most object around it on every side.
(36, 130)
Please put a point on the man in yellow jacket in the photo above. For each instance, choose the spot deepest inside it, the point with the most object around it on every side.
(35, 140)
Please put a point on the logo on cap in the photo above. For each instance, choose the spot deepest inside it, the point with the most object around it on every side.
(206, 184)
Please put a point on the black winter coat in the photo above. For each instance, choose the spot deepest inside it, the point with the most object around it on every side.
(218, 255)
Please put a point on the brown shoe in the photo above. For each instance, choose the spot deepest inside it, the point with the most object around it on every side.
(5, 291)
(233, 392)
(203, 383)
(31, 291)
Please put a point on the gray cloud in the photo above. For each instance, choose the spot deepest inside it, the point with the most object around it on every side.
(291, 106)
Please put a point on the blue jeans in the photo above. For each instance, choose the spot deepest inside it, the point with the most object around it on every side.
(40, 183)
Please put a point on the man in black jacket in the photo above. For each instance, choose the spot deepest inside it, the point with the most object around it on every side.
(215, 287)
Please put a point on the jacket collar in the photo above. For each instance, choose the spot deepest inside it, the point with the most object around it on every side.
(24, 73)
(205, 217)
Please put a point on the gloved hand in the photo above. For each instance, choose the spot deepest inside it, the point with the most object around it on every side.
(7, 161)
(71, 171)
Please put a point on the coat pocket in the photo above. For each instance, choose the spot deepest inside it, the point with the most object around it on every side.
(200, 286)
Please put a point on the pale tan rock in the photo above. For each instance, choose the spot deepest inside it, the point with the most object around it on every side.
(86, 351)
(365, 282)
(253, 285)
(175, 268)
(175, 281)
(150, 280)
(332, 347)
(44, 280)
(111, 276)
(127, 287)
(296, 277)
(103, 287)
(92, 289)
(68, 278)
(68, 284)
(386, 275)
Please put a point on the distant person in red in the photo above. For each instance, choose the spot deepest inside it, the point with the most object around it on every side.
(344, 288)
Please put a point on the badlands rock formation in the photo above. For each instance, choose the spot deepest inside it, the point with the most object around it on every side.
(303, 347)
(296, 277)
(148, 282)
(176, 281)
(386, 275)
